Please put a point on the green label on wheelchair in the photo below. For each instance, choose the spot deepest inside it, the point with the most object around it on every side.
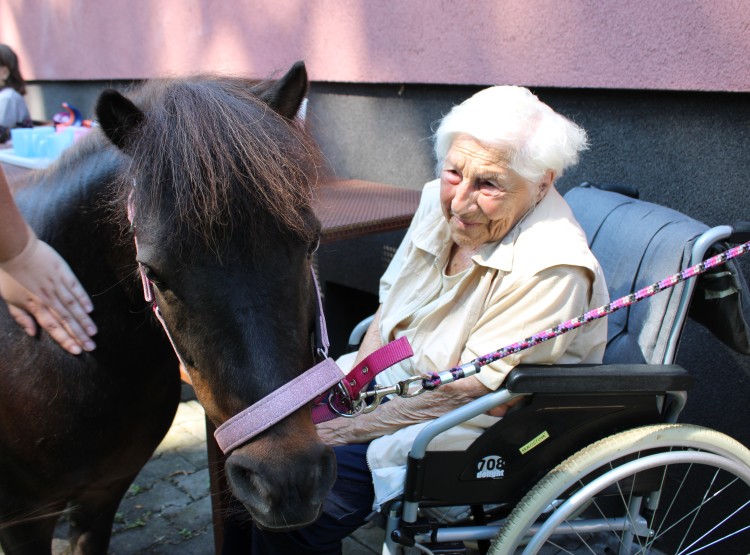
(533, 443)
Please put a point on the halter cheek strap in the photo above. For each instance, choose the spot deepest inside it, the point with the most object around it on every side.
(148, 286)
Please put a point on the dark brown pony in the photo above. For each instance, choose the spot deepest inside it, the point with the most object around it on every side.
(220, 180)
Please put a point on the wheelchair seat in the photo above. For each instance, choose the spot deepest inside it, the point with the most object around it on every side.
(566, 409)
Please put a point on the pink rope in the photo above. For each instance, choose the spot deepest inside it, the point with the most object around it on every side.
(434, 381)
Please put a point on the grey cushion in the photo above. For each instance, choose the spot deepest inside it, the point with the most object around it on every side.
(637, 243)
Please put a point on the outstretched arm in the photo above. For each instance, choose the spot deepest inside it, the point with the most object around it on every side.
(38, 285)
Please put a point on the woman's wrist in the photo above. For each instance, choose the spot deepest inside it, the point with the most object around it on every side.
(17, 248)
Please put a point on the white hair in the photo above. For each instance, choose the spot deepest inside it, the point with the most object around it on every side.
(537, 138)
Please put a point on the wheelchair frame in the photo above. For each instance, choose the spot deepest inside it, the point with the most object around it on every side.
(664, 444)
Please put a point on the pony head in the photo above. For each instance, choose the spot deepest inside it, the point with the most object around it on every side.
(220, 186)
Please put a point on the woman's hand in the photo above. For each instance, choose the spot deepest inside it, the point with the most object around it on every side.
(400, 412)
(339, 431)
(502, 410)
(39, 287)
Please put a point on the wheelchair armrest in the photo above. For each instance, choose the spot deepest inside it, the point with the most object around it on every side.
(355, 337)
(456, 417)
(598, 378)
(574, 378)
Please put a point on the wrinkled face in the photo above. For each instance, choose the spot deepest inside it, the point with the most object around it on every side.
(481, 196)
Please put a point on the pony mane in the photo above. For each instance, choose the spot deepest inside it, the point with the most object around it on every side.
(216, 157)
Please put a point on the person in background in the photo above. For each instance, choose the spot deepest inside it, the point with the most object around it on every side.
(13, 109)
(38, 285)
(493, 255)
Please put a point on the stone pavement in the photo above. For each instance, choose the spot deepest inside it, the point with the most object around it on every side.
(168, 508)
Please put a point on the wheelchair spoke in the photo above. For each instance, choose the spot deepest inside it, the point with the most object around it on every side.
(563, 550)
(629, 508)
(698, 508)
(627, 503)
(693, 512)
(727, 536)
(676, 489)
(658, 531)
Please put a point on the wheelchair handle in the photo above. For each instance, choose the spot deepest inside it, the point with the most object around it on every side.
(740, 233)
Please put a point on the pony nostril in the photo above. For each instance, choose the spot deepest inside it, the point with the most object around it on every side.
(282, 496)
(249, 487)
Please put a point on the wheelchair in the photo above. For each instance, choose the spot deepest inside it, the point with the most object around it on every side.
(592, 459)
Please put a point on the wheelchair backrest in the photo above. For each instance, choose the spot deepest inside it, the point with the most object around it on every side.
(637, 243)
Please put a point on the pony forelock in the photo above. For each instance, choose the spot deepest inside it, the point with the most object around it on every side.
(215, 157)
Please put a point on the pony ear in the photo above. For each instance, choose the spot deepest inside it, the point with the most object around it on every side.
(118, 117)
(285, 96)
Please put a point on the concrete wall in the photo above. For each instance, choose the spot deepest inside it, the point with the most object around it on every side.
(638, 44)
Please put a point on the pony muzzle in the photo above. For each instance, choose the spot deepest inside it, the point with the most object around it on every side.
(281, 485)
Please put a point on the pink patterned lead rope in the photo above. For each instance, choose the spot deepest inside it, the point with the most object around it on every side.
(436, 380)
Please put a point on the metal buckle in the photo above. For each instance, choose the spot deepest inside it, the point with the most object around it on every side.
(402, 389)
(339, 395)
(343, 398)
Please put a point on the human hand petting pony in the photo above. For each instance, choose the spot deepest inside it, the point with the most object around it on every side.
(38, 285)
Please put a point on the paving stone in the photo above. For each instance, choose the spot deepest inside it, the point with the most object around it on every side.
(161, 468)
(367, 539)
(194, 455)
(190, 517)
(59, 547)
(161, 495)
(196, 485)
(176, 440)
(195, 544)
(142, 538)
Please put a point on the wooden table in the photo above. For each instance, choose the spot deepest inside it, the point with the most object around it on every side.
(353, 208)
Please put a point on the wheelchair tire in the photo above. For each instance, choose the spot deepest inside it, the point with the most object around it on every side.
(646, 472)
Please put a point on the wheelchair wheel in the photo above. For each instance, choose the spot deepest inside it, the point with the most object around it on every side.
(663, 489)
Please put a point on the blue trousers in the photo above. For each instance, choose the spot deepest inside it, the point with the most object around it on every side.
(345, 510)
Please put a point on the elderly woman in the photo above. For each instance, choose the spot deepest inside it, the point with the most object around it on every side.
(492, 256)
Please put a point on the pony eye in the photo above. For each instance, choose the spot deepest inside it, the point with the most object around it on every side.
(153, 277)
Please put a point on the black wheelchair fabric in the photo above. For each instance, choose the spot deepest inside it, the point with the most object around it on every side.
(721, 302)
